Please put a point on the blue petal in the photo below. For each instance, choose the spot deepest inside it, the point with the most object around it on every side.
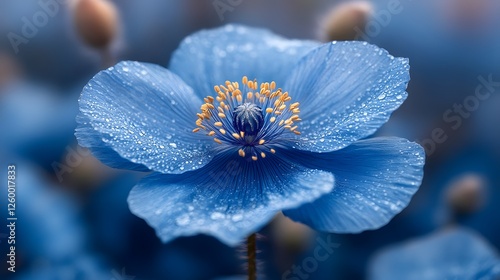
(145, 114)
(375, 180)
(229, 198)
(210, 57)
(347, 90)
(455, 253)
(92, 139)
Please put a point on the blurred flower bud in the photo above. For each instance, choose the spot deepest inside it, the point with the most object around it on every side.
(467, 194)
(345, 21)
(9, 69)
(96, 22)
(291, 234)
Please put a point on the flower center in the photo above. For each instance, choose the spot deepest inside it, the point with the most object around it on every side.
(254, 122)
(248, 118)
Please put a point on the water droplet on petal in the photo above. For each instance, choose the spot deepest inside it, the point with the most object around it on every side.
(182, 220)
(237, 217)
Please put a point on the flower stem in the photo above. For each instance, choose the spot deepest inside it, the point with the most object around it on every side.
(252, 257)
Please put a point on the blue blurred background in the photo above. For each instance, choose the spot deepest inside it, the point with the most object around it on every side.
(74, 222)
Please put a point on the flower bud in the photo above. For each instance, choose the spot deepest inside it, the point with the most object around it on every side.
(9, 69)
(96, 21)
(467, 194)
(346, 20)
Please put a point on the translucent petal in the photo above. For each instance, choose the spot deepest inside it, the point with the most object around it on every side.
(453, 253)
(347, 90)
(145, 114)
(374, 180)
(210, 57)
(92, 139)
(229, 198)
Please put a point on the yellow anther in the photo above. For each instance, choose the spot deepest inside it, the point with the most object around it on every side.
(217, 89)
(273, 151)
(210, 99)
(200, 116)
(249, 95)
(294, 105)
(296, 132)
(273, 85)
(281, 122)
(196, 129)
(261, 141)
(262, 154)
(273, 119)
(295, 117)
(254, 158)
(289, 121)
(219, 124)
(218, 141)
(222, 130)
(211, 133)
(241, 153)
(294, 128)
(282, 107)
(242, 134)
(236, 85)
(236, 135)
(296, 111)
(244, 80)
(278, 113)
(287, 126)
(230, 87)
(222, 115)
(236, 92)
(269, 110)
(220, 109)
(239, 98)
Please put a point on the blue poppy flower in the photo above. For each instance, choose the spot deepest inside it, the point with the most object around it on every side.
(453, 253)
(227, 169)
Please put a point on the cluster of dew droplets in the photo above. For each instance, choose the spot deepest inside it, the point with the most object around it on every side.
(265, 110)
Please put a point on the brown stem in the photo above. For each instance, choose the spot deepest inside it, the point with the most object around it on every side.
(252, 257)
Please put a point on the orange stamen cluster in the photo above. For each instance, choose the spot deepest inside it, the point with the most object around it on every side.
(216, 117)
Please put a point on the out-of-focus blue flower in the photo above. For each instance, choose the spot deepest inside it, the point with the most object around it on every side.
(454, 253)
(37, 122)
(248, 159)
(50, 239)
